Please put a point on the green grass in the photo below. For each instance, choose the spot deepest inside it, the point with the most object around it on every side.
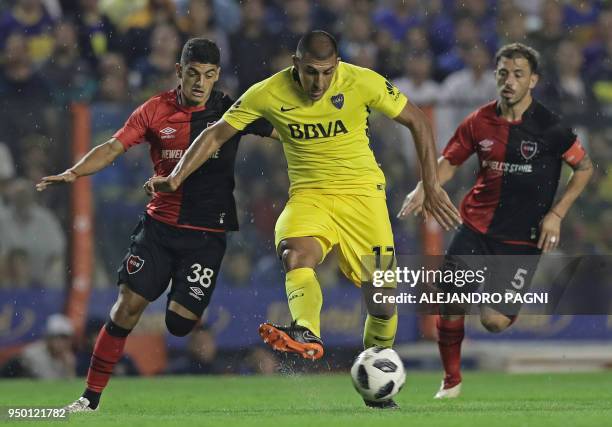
(327, 400)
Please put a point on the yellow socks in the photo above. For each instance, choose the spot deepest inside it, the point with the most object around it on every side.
(379, 331)
(305, 301)
(305, 298)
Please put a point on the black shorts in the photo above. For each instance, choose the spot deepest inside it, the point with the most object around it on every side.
(506, 267)
(160, 252)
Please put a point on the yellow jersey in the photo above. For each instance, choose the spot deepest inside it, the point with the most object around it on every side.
(326, 142)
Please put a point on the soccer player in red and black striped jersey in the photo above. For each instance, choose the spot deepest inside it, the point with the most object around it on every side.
(521, 147)
(182, 235)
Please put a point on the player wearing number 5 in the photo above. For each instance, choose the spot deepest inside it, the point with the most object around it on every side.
(521, 147)
(320, 108)
(181, 237)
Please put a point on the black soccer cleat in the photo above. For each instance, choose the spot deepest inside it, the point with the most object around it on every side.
(385, 404)
(292, 339)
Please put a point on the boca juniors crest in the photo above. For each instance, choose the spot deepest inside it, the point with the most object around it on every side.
(528, 149)
(338, 100)
(134, 264)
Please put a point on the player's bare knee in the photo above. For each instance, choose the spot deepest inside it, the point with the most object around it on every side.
(495, 324)
(178, 325)
(125, 313)
(290, 258)
(128, 308)
(300, 252)
(297, 258)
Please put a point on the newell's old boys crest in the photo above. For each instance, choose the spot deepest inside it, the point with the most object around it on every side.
(134, 264)
(338, 100)
(528, 149)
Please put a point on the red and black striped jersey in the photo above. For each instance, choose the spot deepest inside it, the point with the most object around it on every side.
(519, 169)
(205, 201)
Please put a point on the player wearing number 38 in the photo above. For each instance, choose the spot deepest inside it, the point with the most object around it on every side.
(181, 237)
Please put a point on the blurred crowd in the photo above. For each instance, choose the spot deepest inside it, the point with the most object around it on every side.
(114, 54)
(59, 354)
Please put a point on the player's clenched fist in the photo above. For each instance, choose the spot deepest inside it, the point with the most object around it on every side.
(161, 184)
(65, 177)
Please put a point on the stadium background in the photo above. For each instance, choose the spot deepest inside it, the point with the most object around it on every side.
(110, 55)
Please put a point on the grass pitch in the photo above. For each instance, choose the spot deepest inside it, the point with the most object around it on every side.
(326, 400)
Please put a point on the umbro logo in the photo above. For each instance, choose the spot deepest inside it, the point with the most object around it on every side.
(284, 110)
(167, 133)
(196, 292)
(486, 145)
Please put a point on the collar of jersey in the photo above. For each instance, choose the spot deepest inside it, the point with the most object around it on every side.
(526, 114)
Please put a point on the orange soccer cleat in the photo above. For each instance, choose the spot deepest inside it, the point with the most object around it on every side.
(292, 339)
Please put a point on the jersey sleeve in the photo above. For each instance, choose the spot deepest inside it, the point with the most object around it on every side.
(574, 154)
(260, 127)
(246, 110)
(461, 144)
(380, 94)
(134, 130)
(562, 137)
(568, 145)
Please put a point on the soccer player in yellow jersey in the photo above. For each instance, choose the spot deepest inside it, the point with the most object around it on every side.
(320, 108)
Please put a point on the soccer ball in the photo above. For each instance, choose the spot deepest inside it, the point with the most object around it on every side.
(378, 374)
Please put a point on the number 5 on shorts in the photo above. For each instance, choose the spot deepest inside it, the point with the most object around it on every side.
(519, 279)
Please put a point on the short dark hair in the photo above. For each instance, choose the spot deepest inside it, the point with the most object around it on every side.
(200, 50)
(519, 50)
(318, 44)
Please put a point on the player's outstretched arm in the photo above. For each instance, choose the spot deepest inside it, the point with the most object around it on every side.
(550, 227)
(435, 200)
(202, 148)
(413, 203)
(96, 159)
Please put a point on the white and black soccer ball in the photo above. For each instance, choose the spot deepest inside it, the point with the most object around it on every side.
(378, 374)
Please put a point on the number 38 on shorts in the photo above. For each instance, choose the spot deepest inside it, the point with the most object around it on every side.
(161, 254)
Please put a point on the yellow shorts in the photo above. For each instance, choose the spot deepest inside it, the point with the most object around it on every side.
(359, 225)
